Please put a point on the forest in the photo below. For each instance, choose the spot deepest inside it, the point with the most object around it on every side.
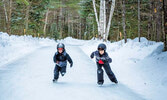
(111, 20)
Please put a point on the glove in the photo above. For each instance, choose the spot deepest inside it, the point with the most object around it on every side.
(71, 65)
(100, 62)
(92, 55)
(110, 60)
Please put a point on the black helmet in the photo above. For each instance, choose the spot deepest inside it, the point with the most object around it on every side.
(102, 46)
(60, 45)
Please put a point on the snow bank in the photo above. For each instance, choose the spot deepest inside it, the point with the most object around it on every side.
(13, 47)
(131, 50)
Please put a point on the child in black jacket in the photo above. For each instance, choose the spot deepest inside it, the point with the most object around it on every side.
(103, 60)
(60, 58)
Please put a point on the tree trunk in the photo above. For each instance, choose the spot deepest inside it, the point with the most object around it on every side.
(103, 31)
(57, 22)
(154, 20)
(60, 22)
(165, 23)
(46, 21)
(110, 17)
(5, 11)
(108, 7)
(83, 27)
(80, 24)
(94, 31)
(68, 19)
(72, 27)
(102, 18)
(96, 16)
(159, 21)
(150, 21)
(139, 34)
(124, 20)
(104, 26)
(27, 17)
(8, 15)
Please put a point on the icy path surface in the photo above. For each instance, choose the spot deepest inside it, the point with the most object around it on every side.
(30, 78)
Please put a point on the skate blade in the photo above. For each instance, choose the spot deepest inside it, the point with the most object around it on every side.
(54, 81)
(100, 85)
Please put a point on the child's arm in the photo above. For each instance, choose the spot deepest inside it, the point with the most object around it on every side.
(92, 55)
(69, 60)
(108, 59)
(54, 58)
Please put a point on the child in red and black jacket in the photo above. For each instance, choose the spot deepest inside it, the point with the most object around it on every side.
(103, 60)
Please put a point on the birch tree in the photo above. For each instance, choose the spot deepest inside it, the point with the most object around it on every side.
(103, 27)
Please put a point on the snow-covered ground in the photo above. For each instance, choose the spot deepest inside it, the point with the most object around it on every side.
(139, 67)
(14, 47)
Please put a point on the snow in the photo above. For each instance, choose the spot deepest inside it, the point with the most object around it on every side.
(26, 70)
(14, 47)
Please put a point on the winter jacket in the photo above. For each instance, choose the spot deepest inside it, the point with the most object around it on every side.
(101, 58)
(61, 59)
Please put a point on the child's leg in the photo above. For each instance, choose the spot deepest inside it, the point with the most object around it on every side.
(63, 70)
(99, 74)
(56, 72)
(110, 73)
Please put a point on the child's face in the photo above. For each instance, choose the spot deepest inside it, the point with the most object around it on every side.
(60, 50)
(101, 52)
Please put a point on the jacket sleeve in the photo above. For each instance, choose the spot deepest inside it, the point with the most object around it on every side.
(69, 59)
(92, 55)
(109, 60)
(54, 58)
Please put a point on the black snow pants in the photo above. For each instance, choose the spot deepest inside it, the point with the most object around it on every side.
(58, 69)
(107, 69)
